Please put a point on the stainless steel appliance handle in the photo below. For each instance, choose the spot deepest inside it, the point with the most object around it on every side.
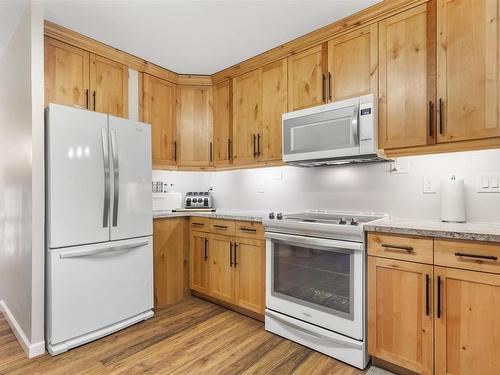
(355, 125)
(105, 157)
(116, 177)
(289, 322)
(323, 243)
(86, 253)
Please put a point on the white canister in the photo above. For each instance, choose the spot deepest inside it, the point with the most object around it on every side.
(453, 200)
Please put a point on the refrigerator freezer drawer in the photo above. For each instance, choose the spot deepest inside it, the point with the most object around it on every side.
(93, 287)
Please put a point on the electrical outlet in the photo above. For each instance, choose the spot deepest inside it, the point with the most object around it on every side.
(430, 185)
(488, 183)
(260, 187)
(398, 167)
(278, 175)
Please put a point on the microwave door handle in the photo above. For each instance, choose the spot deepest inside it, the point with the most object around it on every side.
(355, 126)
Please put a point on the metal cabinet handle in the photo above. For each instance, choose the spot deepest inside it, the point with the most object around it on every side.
(175, 150)
(230, 254)
(235, 251)
(330, 86)
(220, 226)
(439, 297)
(198, 224)
(94, 95)
(465, 255)
(408, 249)
(87, 98)
(248, 229)
(258, 144)
(441, 121)
(323, 89)
(254, 147)
(206, 249)
(228, 149)
(427, 295)
(431, 119)
(211, 152)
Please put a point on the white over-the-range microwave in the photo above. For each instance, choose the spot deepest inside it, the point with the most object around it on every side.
(336, 133)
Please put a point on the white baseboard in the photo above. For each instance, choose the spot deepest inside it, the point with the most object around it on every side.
(31, 350)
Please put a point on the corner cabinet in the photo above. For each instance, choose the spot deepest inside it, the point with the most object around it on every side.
(194, 126)
(159, 110)
(223, 120)
(76, 77)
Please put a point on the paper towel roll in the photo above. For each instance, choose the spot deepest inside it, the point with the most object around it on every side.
(453, 200)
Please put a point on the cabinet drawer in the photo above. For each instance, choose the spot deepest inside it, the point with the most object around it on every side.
(470, 255)
(222, 226)
(248, 229)
(409, 248)
(201, 224)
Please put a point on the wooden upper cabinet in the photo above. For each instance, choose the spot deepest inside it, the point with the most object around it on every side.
(306, 78)
(109, 86)
(222, 123)
(194, 125)
(66, 74)
(274, 104)
(159, 106)
(352, 64)
(407, 78)
(400, 323)
(247, 116)
(221, 268)
(468, 69)
(250, 274)
(468, 324)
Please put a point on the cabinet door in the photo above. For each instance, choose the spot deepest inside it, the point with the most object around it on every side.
(109, 86)
(250, 275)
(199, 255)
(306, 78)
(407, 79)
(170, 239)
(159, 105)
(274, 104)
(221, 268)
(468, 323)
(194, 125)
(66, 74)
(400, 313)
(468, 69)
(247, 116)
(352, 64)
(223, 119)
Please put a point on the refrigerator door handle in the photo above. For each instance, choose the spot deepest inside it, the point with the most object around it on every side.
(116, 177)
(86, 253)
(105, 155)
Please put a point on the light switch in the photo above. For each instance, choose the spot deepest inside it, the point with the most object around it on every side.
(494, 182)
(485, 182)
(430, 185)
(488, 183)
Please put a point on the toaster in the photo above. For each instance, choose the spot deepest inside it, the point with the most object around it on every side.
(199, 199)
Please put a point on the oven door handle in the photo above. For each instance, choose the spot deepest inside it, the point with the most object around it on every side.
(293, 324)
(322, 243)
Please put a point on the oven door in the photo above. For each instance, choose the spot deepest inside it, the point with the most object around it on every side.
(319, 281)
(322, 132)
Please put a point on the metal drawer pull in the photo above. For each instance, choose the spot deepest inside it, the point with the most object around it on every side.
(220, 226)
(408, 249)
(199, 224)
(248, 230)
(488, 257)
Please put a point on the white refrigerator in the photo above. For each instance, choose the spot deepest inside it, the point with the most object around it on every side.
(99, 259)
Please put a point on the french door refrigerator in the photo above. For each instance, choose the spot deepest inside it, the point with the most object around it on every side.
(99, 221)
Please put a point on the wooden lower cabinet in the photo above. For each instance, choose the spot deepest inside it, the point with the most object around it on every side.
(221, 267)
(170, 259)
(229, 269)
(199, 261)
(400, 327)
(250, 274)
(468, 324)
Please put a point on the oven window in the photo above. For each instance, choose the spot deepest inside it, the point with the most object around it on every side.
(312, 277)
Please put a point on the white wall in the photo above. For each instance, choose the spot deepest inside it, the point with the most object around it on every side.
(21, 180)
(368, 187)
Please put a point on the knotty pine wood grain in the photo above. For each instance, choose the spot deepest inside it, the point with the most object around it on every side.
(192, 337)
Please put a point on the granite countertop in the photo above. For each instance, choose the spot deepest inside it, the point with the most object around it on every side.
(433, 228)
(244, 215)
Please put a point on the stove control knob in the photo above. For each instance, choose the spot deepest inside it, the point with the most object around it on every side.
(354, 221)
(342, 221)
(271, 215)
(279, 216)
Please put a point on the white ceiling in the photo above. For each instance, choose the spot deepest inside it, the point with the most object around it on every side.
(198, 37)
